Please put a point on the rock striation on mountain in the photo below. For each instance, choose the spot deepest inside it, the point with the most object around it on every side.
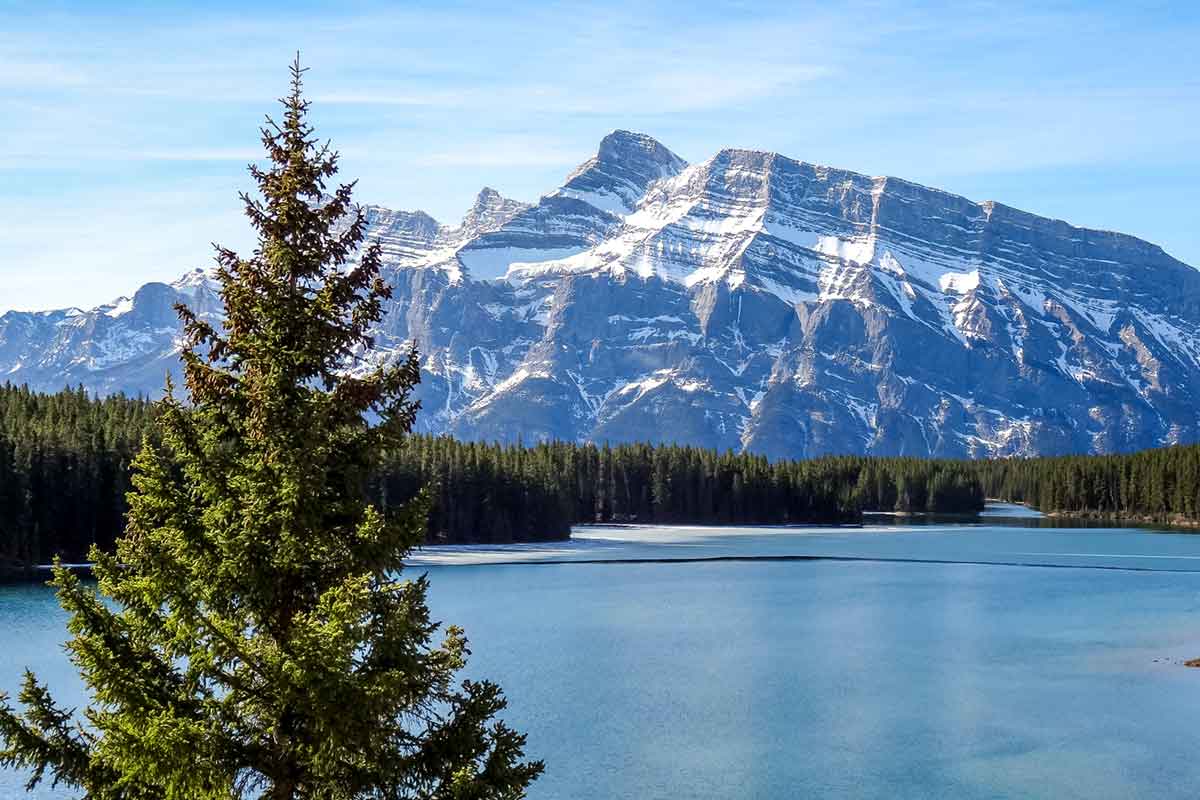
(751, 302)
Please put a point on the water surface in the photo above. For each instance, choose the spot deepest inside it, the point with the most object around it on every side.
(929, 666)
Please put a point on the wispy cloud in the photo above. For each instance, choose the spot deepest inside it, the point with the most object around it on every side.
(106, 105)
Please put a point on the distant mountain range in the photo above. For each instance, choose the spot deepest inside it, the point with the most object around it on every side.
(751, 302)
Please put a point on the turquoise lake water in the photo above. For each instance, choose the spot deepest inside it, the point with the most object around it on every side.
(955, 661)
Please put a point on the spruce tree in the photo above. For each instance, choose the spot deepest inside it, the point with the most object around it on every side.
(250, 637)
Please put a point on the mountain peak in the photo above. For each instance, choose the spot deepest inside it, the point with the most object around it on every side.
(625, 165)
(625, 145)
(486, 197)
(489, 212)
(751, 301)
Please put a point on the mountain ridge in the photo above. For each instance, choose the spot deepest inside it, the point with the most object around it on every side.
(749, 301)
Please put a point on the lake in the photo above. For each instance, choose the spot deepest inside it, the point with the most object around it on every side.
(983, 660)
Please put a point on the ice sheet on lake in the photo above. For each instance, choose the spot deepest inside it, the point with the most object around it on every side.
(1013, 510)
(987, 543)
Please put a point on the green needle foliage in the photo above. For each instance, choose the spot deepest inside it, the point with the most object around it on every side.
(249, 637)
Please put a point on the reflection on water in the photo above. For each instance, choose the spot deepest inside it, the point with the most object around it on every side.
(780, 679)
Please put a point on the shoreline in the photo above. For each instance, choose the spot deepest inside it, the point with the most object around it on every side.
(1170, 520)
(40, 573)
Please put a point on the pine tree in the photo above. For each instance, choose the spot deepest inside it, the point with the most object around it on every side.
(250, 636)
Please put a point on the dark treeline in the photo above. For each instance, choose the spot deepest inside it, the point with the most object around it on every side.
(64, 472)
(495, 493)
(1161, 484)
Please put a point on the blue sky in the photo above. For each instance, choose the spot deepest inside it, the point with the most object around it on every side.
(126, 129)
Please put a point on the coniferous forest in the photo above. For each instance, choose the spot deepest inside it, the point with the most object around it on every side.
(64, 472)
(1162, 485)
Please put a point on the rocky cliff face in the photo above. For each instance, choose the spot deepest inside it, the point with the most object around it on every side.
(129, 345)
(749, 302)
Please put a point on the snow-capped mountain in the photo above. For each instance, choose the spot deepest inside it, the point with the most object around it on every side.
(128, 345)
(749, 302)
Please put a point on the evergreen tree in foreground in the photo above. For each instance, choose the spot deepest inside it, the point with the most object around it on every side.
(257, 642)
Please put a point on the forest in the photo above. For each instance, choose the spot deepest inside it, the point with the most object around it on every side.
(495, 493)
(1162, 485)
(64, 472)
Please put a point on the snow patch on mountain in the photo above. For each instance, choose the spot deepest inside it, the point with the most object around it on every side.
(749, 301)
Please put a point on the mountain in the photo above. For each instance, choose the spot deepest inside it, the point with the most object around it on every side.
(748, 302)
(127, 345)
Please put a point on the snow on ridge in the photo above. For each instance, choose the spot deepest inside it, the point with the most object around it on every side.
(497, 262)
(959, 282)
(119, 307)
(1073, 323)
(609, 202)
